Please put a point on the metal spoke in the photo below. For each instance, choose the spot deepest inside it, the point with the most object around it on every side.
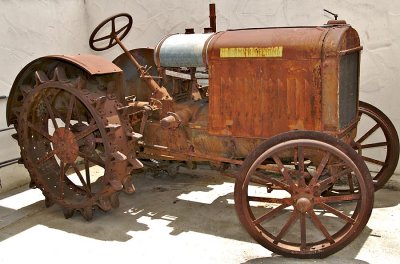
(320, 168)
(84, 184)
(300, 157)
(374, 145)
(351, 184)
(39, 130)
(371, 160)
(66, 167)
(77, 114)
(271, 213)
(69, 112)
(113, 33)
(87, 174)
(337, 213)
(121, 29)
(286, 227)
(110, 43)
(260, 178)
(369, 133)
(337, 198)
(325, 184)
(299, 165)
(84, 133)
(92, 159)
(62, 176)
(303, 231)
(46, 157)
(283, 170)
(318, 224)
(50, 111)
(102, 38)
(287, 201)
(112, 26)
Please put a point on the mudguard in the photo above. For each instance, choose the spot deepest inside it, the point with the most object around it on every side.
(88, 65)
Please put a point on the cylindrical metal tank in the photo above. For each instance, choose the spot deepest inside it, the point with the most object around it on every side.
(182, 50)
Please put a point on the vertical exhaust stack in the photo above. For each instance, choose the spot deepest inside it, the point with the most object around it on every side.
(213, 18)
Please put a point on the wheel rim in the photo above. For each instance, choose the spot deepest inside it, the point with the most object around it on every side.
(282, 203)
(53, 148)
(378, 143)
(72, 152)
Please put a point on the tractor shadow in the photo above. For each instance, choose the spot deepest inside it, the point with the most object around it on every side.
(198, 201)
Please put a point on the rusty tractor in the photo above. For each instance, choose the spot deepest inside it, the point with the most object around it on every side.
(276, 108)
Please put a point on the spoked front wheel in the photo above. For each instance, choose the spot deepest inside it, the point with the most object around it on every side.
(280, 194)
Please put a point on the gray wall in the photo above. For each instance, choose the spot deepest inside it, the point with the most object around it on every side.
(30, 29)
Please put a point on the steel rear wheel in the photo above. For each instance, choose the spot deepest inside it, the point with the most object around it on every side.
(280, 194)
(377, 142)
(73, 145)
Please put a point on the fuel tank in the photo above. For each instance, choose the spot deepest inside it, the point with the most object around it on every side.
(182, 50)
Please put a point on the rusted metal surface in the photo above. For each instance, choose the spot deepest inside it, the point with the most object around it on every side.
(78, 65)
(299, 192)
(64, 128)
(213, 18)
(91, 63)
(134, 85)
(76, 114)
(342, 38)
(281, 69)
(115, 37)
(383, 166)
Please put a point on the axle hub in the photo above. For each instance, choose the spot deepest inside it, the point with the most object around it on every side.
(303, 204)
(65, 145)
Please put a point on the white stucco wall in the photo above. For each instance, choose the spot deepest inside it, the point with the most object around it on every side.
(30, 29)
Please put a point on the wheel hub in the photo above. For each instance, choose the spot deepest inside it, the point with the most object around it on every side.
(303, 204)
(65, 145)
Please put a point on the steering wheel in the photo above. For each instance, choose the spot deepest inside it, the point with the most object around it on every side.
(120, 33)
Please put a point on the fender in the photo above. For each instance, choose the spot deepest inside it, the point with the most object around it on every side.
(82, 64)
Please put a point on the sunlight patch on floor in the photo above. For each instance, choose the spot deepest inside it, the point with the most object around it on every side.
(22, 199)
(208, 197)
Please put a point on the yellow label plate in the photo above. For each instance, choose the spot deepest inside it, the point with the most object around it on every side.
(267, 52)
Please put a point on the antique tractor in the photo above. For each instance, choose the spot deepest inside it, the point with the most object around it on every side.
(277, 106)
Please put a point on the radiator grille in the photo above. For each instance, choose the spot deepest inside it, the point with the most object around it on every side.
(348, 88)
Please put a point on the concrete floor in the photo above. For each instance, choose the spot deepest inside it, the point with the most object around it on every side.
(190, 218)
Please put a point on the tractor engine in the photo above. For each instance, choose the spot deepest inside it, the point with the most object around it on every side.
(296, 78)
